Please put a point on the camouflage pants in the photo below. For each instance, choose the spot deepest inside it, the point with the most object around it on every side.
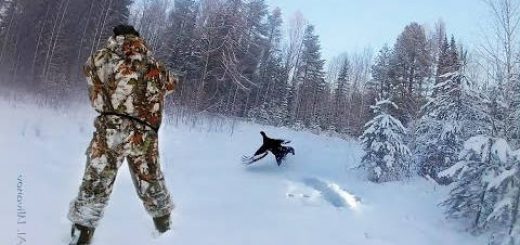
(114, 140)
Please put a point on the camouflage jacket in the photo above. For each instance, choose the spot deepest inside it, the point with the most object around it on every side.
(124, 78)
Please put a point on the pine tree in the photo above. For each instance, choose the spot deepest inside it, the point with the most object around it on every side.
(310, 78)
(411, 68)
(511, 123)
(272, 92)
(454, 113)
(454, 56)
(382, 73)
(449, 59)
(497, 111)
(182, 49)
(443, 63)
(505, 189)
(479, 162)
(387, 158)
(487, 191)
(181, 36)
(340, 95)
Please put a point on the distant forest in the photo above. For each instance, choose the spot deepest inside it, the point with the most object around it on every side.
(237, 58)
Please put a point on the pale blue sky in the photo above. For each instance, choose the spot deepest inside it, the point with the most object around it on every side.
(349, 25)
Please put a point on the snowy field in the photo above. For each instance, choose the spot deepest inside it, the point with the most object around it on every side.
(314, 198)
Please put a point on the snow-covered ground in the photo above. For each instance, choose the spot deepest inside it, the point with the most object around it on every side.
(314, 198)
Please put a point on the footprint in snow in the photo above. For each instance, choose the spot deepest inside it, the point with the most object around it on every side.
(333, 193)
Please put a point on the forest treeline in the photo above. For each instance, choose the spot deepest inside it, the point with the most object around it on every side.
(235, 57)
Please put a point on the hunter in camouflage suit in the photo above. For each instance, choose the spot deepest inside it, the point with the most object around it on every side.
(127, 87)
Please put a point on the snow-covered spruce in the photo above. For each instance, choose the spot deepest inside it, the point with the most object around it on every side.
(386, 156)
(454, 113)
(506, 206)
(512, 125)
(487, 189)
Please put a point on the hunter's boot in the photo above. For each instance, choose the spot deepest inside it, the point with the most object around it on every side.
(81, 235)
(162, 224)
